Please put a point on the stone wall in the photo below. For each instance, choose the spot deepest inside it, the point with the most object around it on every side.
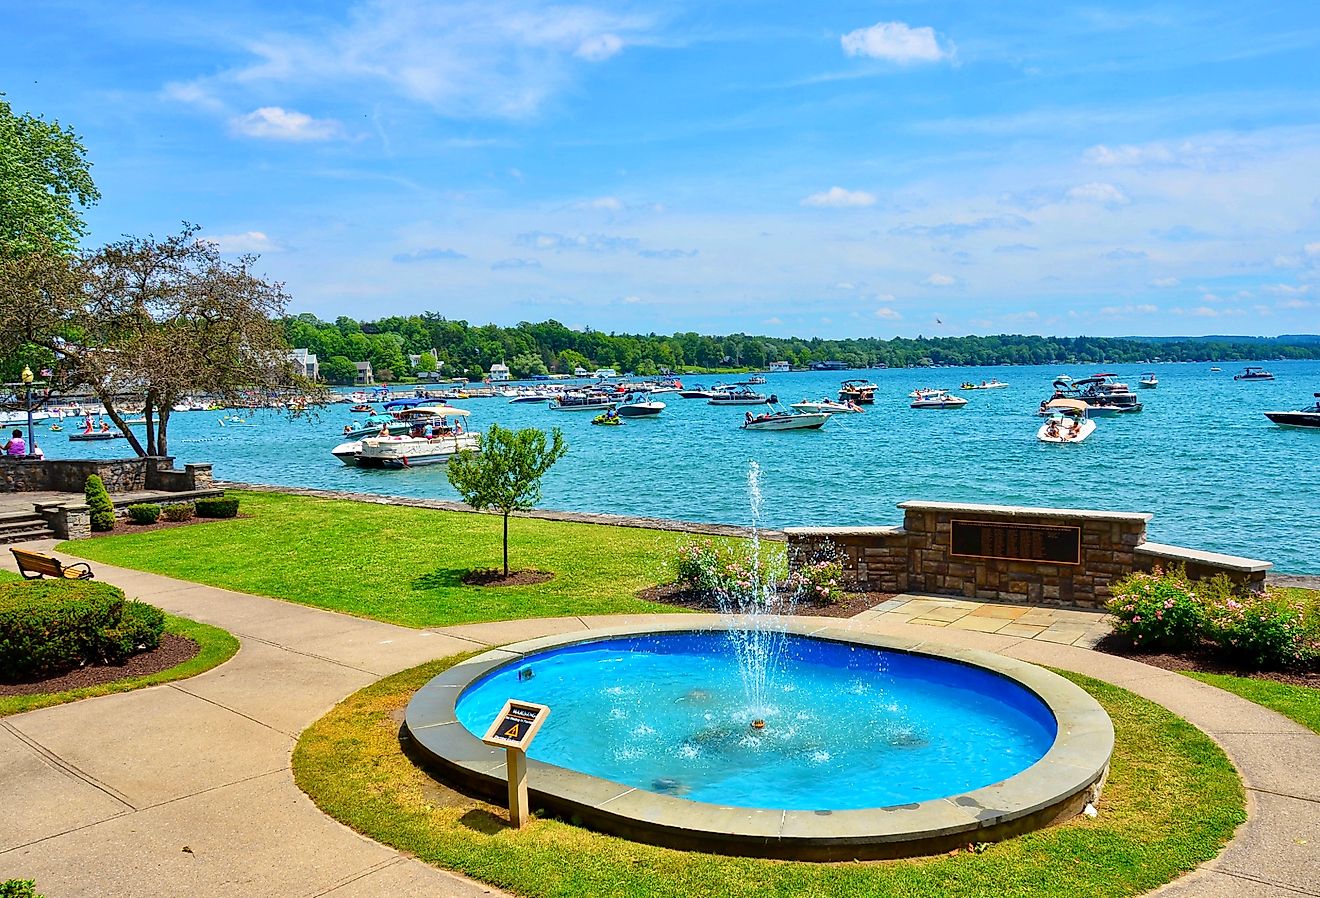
(121, 475)
(920, 556)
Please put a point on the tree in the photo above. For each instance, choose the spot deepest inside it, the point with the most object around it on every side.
(43, 178)
(527, 364)
(427, 363)
(339, 369)
(506, 474)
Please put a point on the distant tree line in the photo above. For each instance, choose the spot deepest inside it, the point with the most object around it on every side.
(460, 349)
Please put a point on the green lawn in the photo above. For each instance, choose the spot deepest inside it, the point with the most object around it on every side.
(401, 565)
(217, 647)
(1171, 802)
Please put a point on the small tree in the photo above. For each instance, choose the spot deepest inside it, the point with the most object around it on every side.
(506, 474)
(98, 503)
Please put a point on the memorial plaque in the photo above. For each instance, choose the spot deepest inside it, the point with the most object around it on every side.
(516, 725)
(1016, 542)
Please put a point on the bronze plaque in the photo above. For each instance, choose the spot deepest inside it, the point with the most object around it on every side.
(1016, 542)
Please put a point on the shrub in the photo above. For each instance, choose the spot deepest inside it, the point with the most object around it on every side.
(48, 627)
(99, 504)
(18, 888)
(1158, 610)
(700, 569)
(183, 511)
(722, 572)
(139, 630)
(144, 513)
(217, 508)
(1263, 630)
(820, 581)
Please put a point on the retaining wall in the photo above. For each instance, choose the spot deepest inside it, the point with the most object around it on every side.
(121, 475)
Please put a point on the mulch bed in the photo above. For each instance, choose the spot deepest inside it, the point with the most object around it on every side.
(1203, 662)
(852, 603)
(123, 525)
(495, 577)
(171, 651)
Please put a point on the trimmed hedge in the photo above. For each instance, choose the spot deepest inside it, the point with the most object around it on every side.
(182, 511)
(49, 627)
(99, 504)
(18, 888)
(144, 513)
(225, 507)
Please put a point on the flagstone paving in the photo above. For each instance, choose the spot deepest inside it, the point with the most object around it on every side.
(186, 789)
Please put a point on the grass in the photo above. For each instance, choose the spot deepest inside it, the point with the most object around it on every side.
(1172, 800)
(400, 565)
(217, 647)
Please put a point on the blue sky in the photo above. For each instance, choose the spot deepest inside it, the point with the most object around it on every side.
(838, 169)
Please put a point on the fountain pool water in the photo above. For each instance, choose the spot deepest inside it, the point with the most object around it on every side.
(872, 746)
(667, 713)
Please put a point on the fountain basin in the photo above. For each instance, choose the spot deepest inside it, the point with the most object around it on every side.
(878, 797)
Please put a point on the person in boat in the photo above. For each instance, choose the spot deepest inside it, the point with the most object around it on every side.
(750, 417)
(428, 431)
(348, 428)
(105, 427)
(15, 446)
(1052, 429)
(384, 430)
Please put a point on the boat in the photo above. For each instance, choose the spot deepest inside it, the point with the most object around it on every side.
(582, 402)
(755, 380)
(778, 419)
(236, 421)
(94, 436)
(1069, 422)
(697, 391)
(608, 419)
(393, 453)
(1148, 381)
(828, 405)
(533, 396)
(348, 452)
(1216, 369)
(363, 408)
(861, 392)
(1303, 417)
(939, 399)
(991, 384)
(1253, 373)
(741, 396)
(923, 392)
(637, 406)
(1103, 394)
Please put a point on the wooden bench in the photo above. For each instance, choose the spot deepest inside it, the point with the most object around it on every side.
(35, 565)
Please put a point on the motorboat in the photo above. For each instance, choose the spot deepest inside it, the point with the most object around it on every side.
(393, 453)
(1303, 417)
(740, 396)
(1103, 394)
(1069, 422)
(1216, 369)
(94, 436)
(1148, 381)
(373, 425)
(861, 392)
(348, 452)
(939, 399)
(1252, 373)
(697, 391)
(533, 396)
(638, 406)
(991, 384)
(755, 380)
(923, 392)
(827, 405)
(582, 402)
(778, 419)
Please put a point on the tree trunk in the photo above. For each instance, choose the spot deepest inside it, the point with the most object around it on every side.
(162, 446)
(149, 415)
(108, 401)
(506, 544)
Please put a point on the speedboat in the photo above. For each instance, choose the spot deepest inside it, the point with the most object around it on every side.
(697, 391)
(1252, 373)
(393, 453)
(991, 384)
(923, 392)
(1149, 381)
(939, 399)
(1303, 417)
(636, 406)
(743, 396)
(861, 392)
(348, 452)
(1216, 369)
(781, 420)
(828, 405)
(1102, 393)
(533, 396)
(1068, 422)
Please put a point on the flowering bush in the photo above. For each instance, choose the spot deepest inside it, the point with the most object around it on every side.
(1264, 630)
(818, 581)
(1158, 610)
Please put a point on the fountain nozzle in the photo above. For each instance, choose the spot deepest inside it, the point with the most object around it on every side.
(758, 724)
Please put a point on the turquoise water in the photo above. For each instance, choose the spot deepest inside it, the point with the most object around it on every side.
(666, 713)
(1202, 456)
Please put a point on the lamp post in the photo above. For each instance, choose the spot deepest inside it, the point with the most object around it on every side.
(26, 377)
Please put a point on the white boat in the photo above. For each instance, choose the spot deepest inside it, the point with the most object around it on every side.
(532, 396)
(779, 420)
(393, 453)
(925, 392)
(11, 419)
(348, 452)
(742, 396)
(939, 399)
(1068, 422)
(1149, 381)
(829, 406)
(993, 383)
(640, 407)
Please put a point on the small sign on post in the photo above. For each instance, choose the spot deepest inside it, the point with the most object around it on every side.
(513, 730)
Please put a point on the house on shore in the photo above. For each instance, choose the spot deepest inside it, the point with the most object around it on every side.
(364, 377)
(780, 367)
(307, 363)
(499, 371)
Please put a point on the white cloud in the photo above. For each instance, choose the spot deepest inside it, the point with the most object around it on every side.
(1165, 282)
(608, 203)
(632, 300)
(599, 47)
(247, 242)
(887, 314)
(1312, 249)
(896, 42)
(773, 322)
(845, 285)
(940, 280)
(1293, 304)
(1098, 192)
(838, 198)
(276, 123)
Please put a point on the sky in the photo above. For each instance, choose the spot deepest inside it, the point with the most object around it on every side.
(829, 169)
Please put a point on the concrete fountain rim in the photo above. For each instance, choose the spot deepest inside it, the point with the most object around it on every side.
(1053, 789)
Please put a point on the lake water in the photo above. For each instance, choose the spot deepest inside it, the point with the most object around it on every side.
(1202, 456)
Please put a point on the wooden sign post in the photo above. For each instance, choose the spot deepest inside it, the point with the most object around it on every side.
(513, 730)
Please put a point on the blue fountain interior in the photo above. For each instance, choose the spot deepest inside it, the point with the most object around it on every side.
(845, 726)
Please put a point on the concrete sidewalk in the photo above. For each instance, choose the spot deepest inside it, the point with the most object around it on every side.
(185, 789)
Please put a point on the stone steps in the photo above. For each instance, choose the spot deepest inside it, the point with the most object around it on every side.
(20, 528)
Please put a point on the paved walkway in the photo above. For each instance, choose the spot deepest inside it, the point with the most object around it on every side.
(186, 790)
